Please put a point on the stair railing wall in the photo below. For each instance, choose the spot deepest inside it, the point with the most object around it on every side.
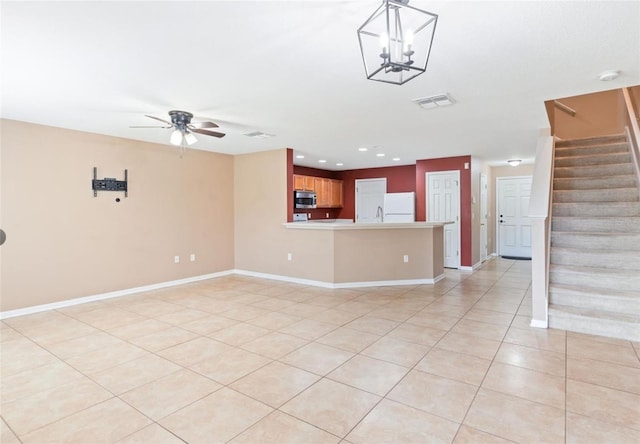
(540, 215)
(632, 130)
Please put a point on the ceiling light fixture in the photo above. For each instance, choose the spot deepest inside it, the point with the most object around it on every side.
(363, 149)
(396, 159)
(395, 42)
(607, 76)
(380, 155)
(339, 164)
(322, 161)
(514, 162)
(299, 156)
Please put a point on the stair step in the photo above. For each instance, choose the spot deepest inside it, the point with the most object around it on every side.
(593, 183)
(601, 224)
(594, 322)
(594, 170)
(602, 140)
(597, 257)
(594, 159)
(596, 209)
(615, 301)
(597, 195)
(626, 280)
(622, 147)
(618, 241)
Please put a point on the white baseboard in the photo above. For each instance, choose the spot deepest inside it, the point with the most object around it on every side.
(539, 324)
(110, 295)
(472, 268)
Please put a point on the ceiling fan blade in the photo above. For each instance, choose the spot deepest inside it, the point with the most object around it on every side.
(208, 133)
(150, 127)
(158, 118)
(202, 125)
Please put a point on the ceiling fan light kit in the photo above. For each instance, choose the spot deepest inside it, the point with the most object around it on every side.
(395, 42)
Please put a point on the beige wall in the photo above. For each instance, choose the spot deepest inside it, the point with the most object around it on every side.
(597, 114)
(64, 243)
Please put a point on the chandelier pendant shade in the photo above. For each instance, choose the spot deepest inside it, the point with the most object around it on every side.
(395, 42)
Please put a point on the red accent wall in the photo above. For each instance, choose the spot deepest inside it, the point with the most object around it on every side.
(400, 179)
(315, 172)
(449, 164)
(289, 185)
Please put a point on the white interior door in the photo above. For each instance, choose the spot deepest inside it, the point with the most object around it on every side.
(443, 205)
(514, 225)
(484, 216)
(370, 199)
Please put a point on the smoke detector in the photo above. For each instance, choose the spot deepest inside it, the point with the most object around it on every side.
(607, 76)
(259, 135)
(435, 101)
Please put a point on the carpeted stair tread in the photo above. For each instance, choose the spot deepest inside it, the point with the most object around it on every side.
(602, 140)
(594, 170)
(594, 182)
(598, 322)
(596, 239)
(596, 209)
(596, 257)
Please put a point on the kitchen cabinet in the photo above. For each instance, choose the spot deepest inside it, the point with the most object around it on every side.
(328, 191)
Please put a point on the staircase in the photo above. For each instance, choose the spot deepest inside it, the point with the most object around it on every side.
(594, 274)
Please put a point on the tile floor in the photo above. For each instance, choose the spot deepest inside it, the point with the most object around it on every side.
(246, 360)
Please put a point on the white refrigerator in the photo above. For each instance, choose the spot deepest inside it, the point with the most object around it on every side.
(399, 207)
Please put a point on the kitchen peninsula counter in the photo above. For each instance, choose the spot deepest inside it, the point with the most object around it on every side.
(344, 254)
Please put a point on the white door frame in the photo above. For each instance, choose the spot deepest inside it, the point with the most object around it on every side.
(484, 219)
(355, 190)
(426, 208)
(497, 202)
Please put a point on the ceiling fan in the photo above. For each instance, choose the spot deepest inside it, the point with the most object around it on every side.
(184, 128)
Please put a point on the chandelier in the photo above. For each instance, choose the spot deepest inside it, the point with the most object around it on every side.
(395, 42)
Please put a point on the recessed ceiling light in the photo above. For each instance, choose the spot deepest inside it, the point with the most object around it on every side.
(435, 101)
(396, 159)
(299, 156)
(380, 155)
(322, 161)
(363, 149)
(339, 164)
(607, 76)
(514, 162)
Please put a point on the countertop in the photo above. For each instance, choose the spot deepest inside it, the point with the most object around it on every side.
(339, 225)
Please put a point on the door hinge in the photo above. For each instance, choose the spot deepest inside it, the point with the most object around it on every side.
(457, 253)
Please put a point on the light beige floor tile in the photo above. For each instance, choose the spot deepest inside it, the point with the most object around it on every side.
(360, 308)
(27, 414)
(136, 329)
(532, 358)
(273, 304)
(515, 419)
(605, 374)
(398, 352)
(528, 384)
(9, 334)
(309, 329)
(108, 318)
(106, 357)
(371, 375)
(49, 333)
(183, 316)
(280, 428)
(444, 309)
(469, 435)
(216, 418)
(209, 324)
(581, 429)
(230, 366)
(274, 320)
(103, 423)
(21, 355)
(274, 345)
(151, 308)
(333, 316)
(245, 313)
(470, 345)
(132, 374)
(317, 358)
(390, 422)
(40, 379)
(83, 344)
(497, 305)
(417, 334)
(275, 383)
(394, 312)
(170, 393)
(303, 309)
(332, 406)
(596, 338)
(434, 394)
(163, 339)
(239, 334)
(196, 350)
(348, 339)
(604, 404)
(151, 434)
(373, 325)
(524, 322)
(545, 339)
(582, 347)
(480, 329)
(6, 434)
(489, 317)
(30, 320)
(431, 320)
(458, 366)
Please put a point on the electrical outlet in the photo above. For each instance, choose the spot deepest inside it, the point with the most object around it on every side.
(327, 215)
(176, 259)
(405, 258)
(289, 256)
(192, 257)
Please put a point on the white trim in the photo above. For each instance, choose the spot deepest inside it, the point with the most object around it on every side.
(539, 324)
(472, 268)
(355, 191)
(497, 206)
(337, 285)
(110, 295)
(426, 209)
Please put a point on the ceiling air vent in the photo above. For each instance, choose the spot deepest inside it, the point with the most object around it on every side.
(258, 135)
(435, 101)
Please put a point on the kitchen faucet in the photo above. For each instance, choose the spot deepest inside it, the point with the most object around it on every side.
(380, 214)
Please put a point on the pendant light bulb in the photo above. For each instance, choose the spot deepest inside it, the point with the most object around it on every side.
(176, 137)
(190, 138)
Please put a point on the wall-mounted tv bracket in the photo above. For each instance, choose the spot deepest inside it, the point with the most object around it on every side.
(108, 183)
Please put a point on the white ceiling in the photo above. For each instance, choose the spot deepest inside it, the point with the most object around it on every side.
(293, 69)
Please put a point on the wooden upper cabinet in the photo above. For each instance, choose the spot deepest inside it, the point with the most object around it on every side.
(328, 191)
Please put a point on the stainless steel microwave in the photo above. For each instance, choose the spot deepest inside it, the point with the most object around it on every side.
(304, 199)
